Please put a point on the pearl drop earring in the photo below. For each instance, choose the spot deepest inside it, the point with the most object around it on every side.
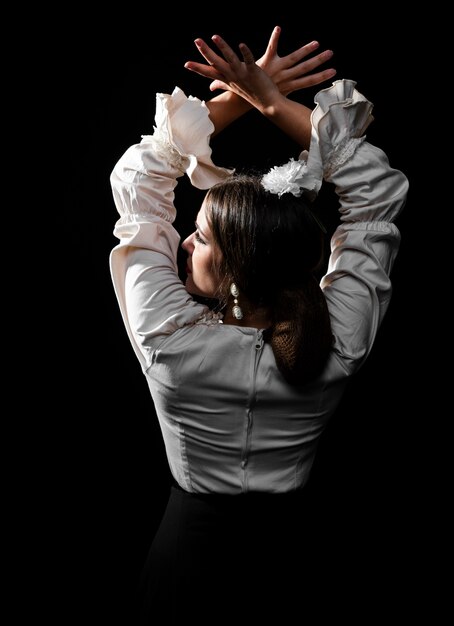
(236, 309)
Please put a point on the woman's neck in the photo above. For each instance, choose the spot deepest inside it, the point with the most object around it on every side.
(253, 316)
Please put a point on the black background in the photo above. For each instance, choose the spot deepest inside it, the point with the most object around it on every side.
(100, 479)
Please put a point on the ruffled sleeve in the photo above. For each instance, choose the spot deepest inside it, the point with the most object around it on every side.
(339, 121)
(183, 127)
(152, 299)
(357, 285)
(144, 178)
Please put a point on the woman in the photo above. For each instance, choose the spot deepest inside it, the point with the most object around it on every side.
(244, 390)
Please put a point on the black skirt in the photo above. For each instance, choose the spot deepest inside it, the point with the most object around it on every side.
(222, 559)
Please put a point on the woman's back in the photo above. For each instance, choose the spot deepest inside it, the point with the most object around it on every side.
(230, 421)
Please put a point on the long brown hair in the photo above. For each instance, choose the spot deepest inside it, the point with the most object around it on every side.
(271, 248)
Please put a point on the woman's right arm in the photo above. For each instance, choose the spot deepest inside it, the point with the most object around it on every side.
(371, 194)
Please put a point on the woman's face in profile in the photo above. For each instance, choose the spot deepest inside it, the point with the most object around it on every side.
(203, 258)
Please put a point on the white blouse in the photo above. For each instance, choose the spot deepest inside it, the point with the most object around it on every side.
(229, 420)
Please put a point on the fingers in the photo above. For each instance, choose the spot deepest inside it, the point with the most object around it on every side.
(208, 53)
(215, 64)
(208, 71)
(301, 53)
(218, 63)
(230, 56)
(311, 80)
(247, 54)
(218, 84)
(227, 52)
(309, 65)
(221, 69)
(271, 48)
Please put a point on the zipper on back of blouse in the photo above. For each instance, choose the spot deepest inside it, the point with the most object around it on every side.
(257, 347)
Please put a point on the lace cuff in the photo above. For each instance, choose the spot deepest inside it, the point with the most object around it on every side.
(164, 150)
(339, 120)
(341, 153)
(181, 135)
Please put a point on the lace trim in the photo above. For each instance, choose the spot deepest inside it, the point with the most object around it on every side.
(209, 319)
(164, 149)
(342, 152)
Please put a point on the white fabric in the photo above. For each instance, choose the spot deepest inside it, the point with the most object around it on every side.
(229, 420)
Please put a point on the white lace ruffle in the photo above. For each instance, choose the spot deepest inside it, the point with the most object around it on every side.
(164, 149)
(182, 133)
(209, 318)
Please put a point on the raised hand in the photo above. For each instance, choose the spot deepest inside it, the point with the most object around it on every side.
(290, 73)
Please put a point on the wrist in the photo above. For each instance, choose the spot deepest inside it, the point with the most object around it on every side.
(272, 108)
(232, 100)
(225, 108)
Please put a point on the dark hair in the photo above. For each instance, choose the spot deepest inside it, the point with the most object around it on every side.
(271, 247)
